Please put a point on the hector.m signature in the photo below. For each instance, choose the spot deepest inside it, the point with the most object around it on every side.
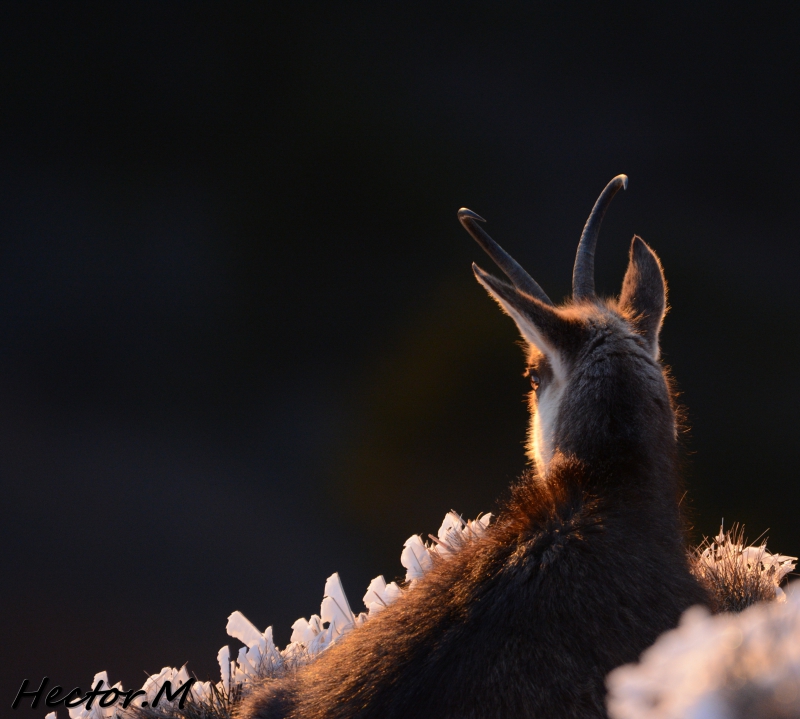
(106, 697)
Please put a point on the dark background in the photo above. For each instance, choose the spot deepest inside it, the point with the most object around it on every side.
(241, 346)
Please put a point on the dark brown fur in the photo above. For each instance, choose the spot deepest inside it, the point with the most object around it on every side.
(584, 568)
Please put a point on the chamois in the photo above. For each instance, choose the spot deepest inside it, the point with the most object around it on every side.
(585, 565)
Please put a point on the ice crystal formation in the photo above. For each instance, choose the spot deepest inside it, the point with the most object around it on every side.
(737, 575)
(260, 658)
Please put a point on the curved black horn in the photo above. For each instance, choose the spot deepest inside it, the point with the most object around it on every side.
(583, 273)
(513, 270)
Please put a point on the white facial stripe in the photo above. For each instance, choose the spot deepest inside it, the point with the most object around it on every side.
(543, 421)
(543, 417)
(541, 435)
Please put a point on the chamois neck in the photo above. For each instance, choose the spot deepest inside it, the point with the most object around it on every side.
(638, 457)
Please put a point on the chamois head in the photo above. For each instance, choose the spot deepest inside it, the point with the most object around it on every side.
(598, 390)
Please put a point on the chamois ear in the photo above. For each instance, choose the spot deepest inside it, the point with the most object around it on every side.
(644, 293)
(539, 323)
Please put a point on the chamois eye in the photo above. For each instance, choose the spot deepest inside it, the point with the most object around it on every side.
(530, 373)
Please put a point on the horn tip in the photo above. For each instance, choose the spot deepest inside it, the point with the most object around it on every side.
(465, 213)
(624, 180)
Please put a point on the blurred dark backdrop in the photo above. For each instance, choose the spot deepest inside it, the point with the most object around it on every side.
(241, 346)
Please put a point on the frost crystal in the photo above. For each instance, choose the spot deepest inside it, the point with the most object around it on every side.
(380, 594)
(738, 576)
